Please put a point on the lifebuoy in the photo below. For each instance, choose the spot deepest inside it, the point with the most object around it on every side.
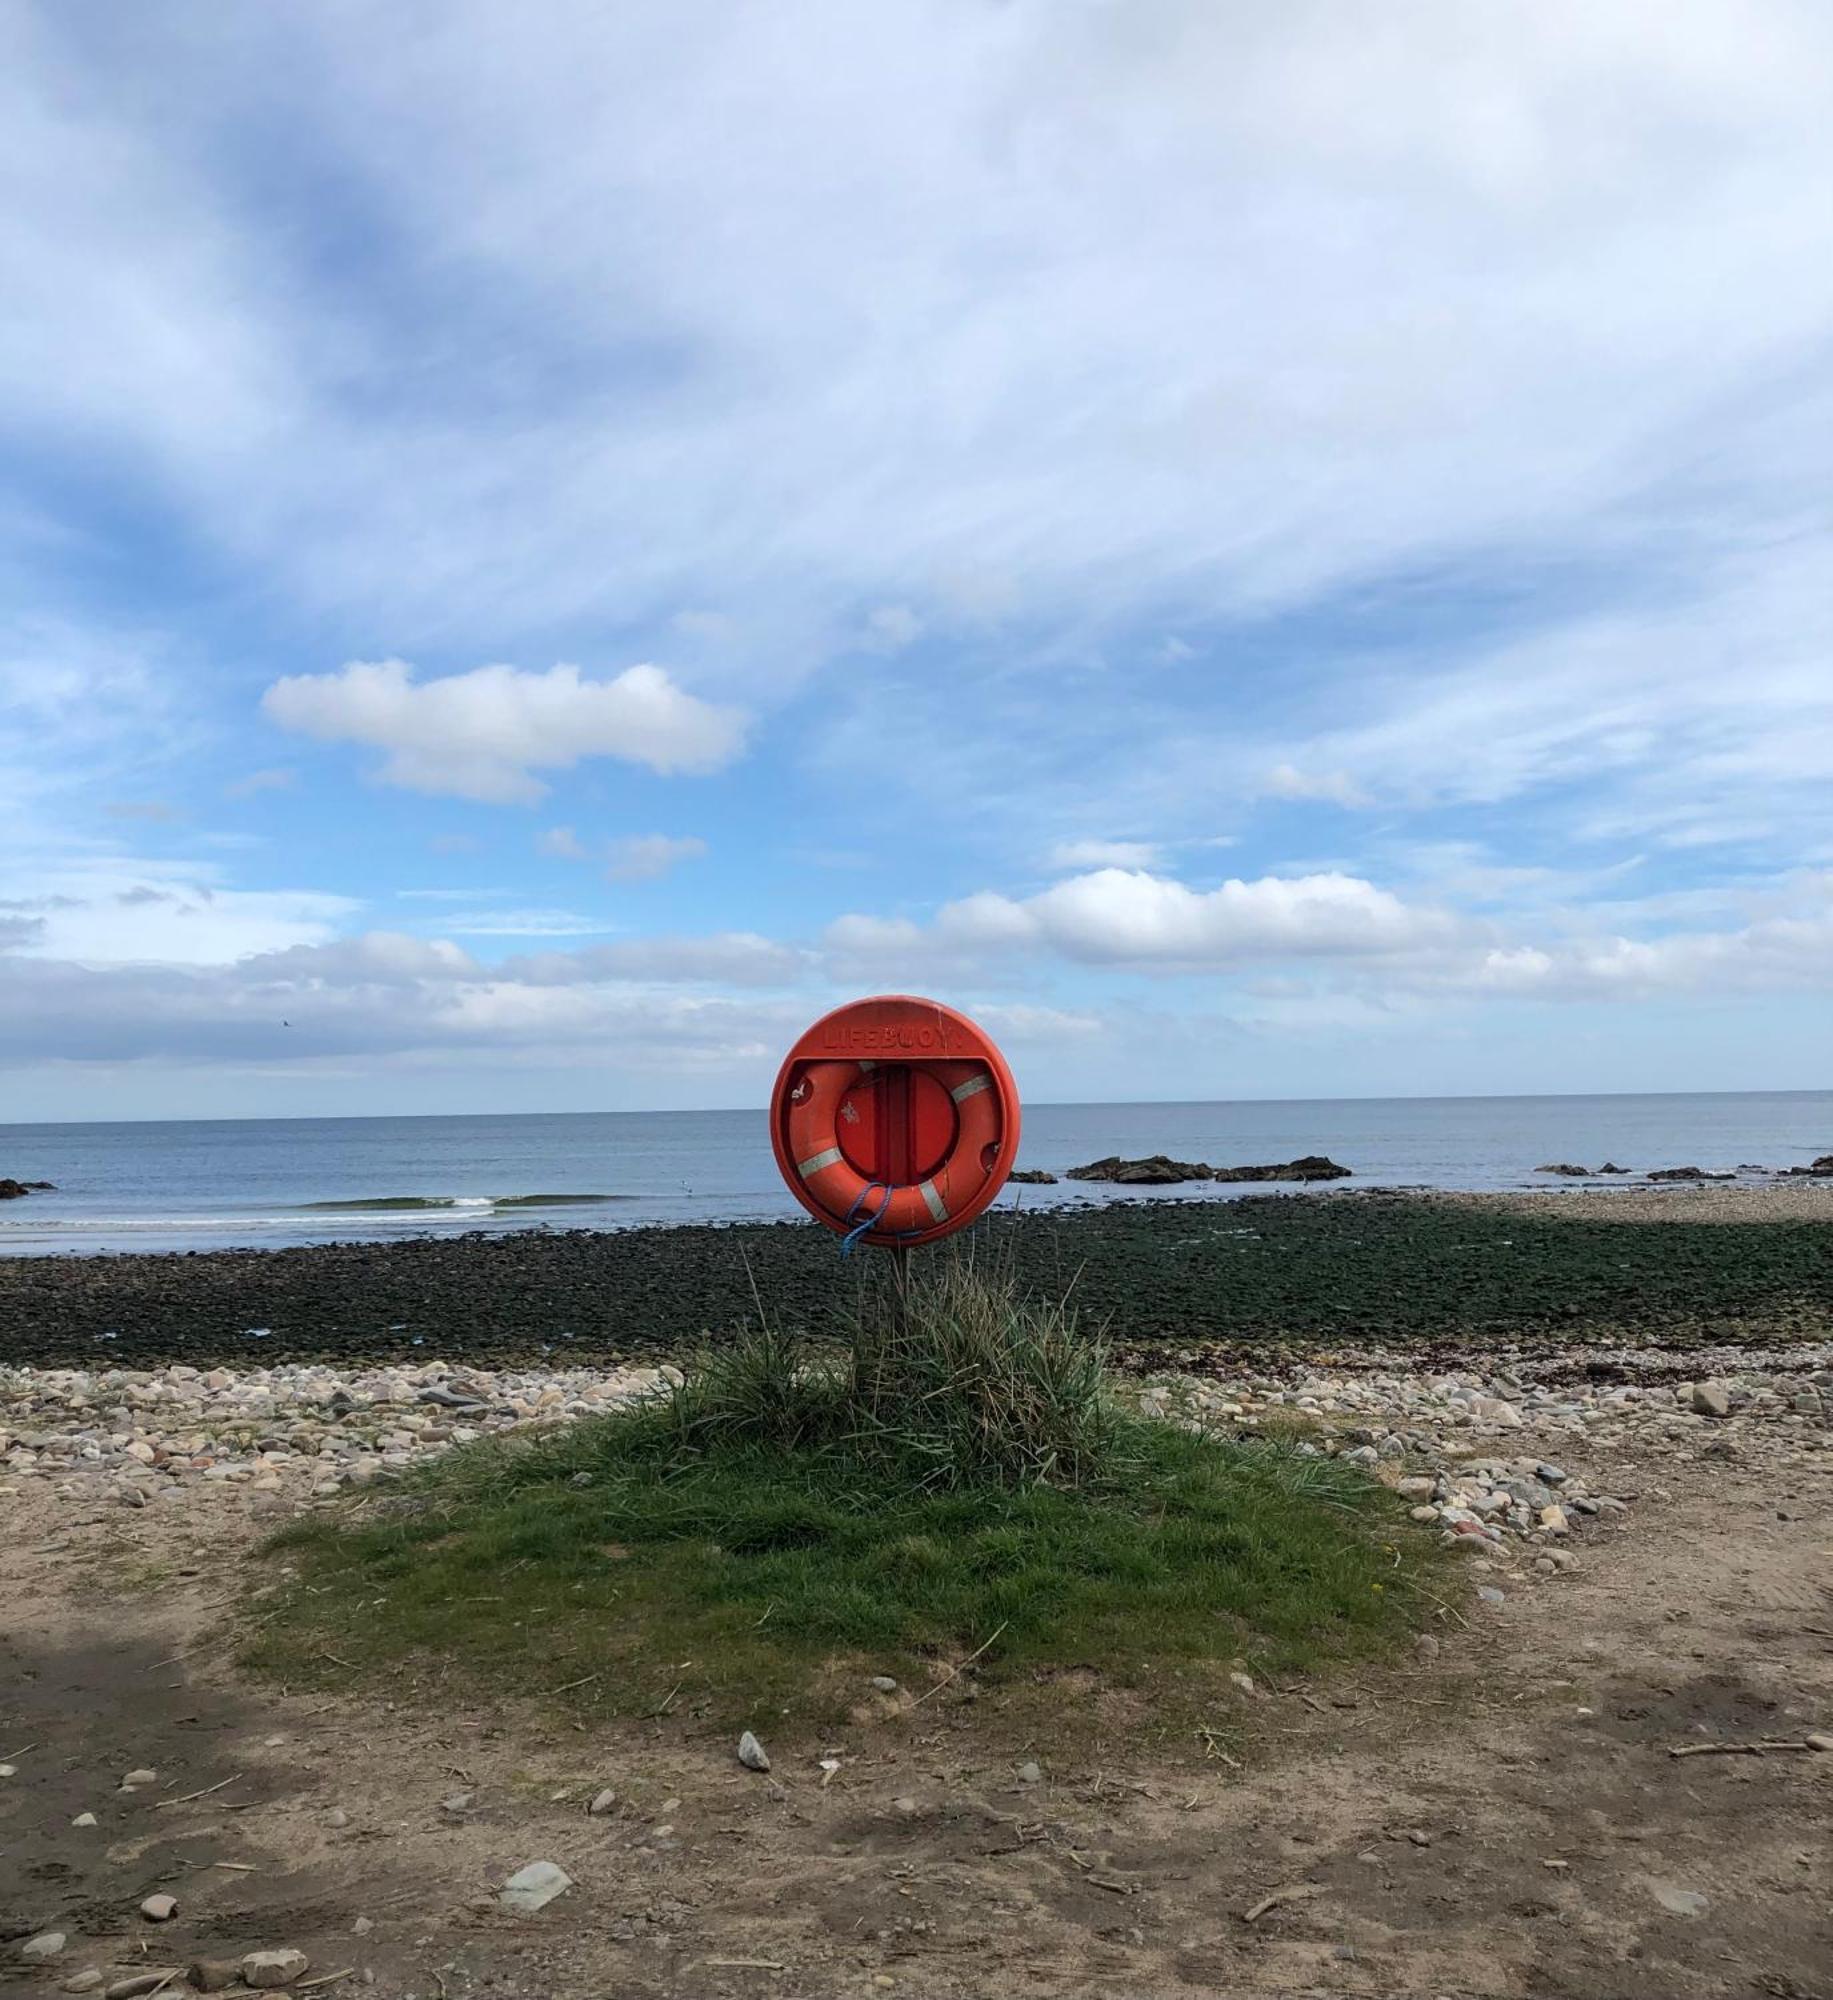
(815, 1112)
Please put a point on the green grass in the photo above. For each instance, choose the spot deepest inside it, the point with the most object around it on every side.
(757, 1578)
(955, 1484)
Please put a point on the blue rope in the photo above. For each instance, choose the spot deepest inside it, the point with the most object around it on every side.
(853, 1235)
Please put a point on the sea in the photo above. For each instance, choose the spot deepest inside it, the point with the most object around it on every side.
(228, 1183)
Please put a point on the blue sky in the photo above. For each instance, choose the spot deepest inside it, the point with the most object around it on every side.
(1260, 552)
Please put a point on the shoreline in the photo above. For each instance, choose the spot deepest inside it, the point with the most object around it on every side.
(1166, 1279)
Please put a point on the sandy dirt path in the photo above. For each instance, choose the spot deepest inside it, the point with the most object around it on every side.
(1505, 1819)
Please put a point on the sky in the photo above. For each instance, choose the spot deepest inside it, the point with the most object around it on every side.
(1262, 552)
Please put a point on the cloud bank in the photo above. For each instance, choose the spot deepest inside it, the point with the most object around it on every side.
(483, 735)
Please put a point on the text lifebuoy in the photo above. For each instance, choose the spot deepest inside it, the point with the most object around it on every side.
(954, 1185)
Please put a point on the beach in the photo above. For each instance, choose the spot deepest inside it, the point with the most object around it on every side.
(1601, 1770)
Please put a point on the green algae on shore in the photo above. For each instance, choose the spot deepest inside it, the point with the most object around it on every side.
(1167, 1278)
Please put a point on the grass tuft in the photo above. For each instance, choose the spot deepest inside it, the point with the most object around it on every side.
(954, 1377)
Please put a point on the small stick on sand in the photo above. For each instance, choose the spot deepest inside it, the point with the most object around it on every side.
(186, 1797)
(1761, 1749)
(954, 1672)
(1298, 1892)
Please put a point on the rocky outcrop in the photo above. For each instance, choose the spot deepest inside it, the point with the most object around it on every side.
(1158, 1171)
(1820, 1169)
(1032, 1177)
(1162, 1171)
(12, 1190)
(1568, 1169)
(1688, 1174)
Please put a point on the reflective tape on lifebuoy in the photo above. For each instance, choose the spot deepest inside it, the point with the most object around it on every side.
(815, 1107)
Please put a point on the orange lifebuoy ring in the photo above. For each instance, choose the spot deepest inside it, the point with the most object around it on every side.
(817, 1106)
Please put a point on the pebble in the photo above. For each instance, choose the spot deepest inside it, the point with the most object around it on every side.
(337, 1818)
(1677, 1901)
(211, 1975)
(1030, 1774)
(1712, 1399)
(602, 1803)
(1819, 1740)
(47, 1944)
(137, 1983)
(884, 1684)
(535, 1886)
(85, 1981)
(274, 1968)
(159, 1909)
(1490, 1594)
(135, 1779)
(84, 1819)
(752, 1754)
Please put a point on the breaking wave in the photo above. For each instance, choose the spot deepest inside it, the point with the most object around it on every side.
(478, 1204)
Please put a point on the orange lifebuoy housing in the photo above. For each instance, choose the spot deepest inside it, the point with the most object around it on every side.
(895, 1121)
(820, 1102)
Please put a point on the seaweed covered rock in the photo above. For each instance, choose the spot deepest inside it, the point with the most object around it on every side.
(1032, 1177)
(1313, 1167)
(1157, 1171)
(1820, 1169)
(12, 1190)
(1568, 1169)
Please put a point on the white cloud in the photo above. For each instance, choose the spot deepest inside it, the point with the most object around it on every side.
(103, 910)
(389, 958)
(1120, 916)
(1777, 954)
(647, 856)
(483, 734)
(562, 844)
(1105, 854)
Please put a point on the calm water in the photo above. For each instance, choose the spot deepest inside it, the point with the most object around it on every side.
(215, 1183)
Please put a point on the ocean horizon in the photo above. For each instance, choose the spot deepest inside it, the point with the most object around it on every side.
(253, 1182)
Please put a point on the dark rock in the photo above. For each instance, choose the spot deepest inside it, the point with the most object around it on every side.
(1688, 1174)
(1568, 1169)
(12, 1190)
(1032, 1177)
(1610, 1167)
(1313, 1167)
(447, 1399)
(1158, 1171)
(1821, 1169)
